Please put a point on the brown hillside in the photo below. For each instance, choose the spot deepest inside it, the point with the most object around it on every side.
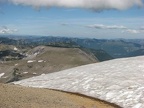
(42, 60)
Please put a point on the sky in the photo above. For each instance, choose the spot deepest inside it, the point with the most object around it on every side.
(73, 18)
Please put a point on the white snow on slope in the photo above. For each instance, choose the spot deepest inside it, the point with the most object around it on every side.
(119, 81)
(40, 61)
(15, 48)
(31, 61)
(25, 72)
(1, 74)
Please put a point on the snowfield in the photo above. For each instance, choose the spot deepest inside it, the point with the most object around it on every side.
(119, 81)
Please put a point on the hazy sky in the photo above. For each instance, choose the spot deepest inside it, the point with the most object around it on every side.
(73, 18)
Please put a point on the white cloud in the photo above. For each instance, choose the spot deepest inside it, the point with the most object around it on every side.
(101, 26)
(5, 30)
(133, 31)
(97, 5)
(125, 29)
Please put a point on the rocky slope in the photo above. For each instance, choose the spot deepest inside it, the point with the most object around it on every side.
(43, 60)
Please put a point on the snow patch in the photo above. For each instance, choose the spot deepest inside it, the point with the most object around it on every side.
(40, 61)
(16, 64)
(43, 74)
(36, 53)
(25, 72)
(1, 74)
(15, 48)
(31, 61)
(118, 81)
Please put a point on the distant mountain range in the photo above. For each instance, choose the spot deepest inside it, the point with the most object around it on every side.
(116, 48)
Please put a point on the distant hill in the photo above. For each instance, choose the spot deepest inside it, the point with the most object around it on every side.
(137, 41)
(101, 55)
(115, 48)
(5, 40)
(67, 44)
(137, 53)
(42, 60)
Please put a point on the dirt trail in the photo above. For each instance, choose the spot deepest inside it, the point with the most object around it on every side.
(13, 96)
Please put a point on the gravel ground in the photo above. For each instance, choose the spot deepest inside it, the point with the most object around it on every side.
(12, 96)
